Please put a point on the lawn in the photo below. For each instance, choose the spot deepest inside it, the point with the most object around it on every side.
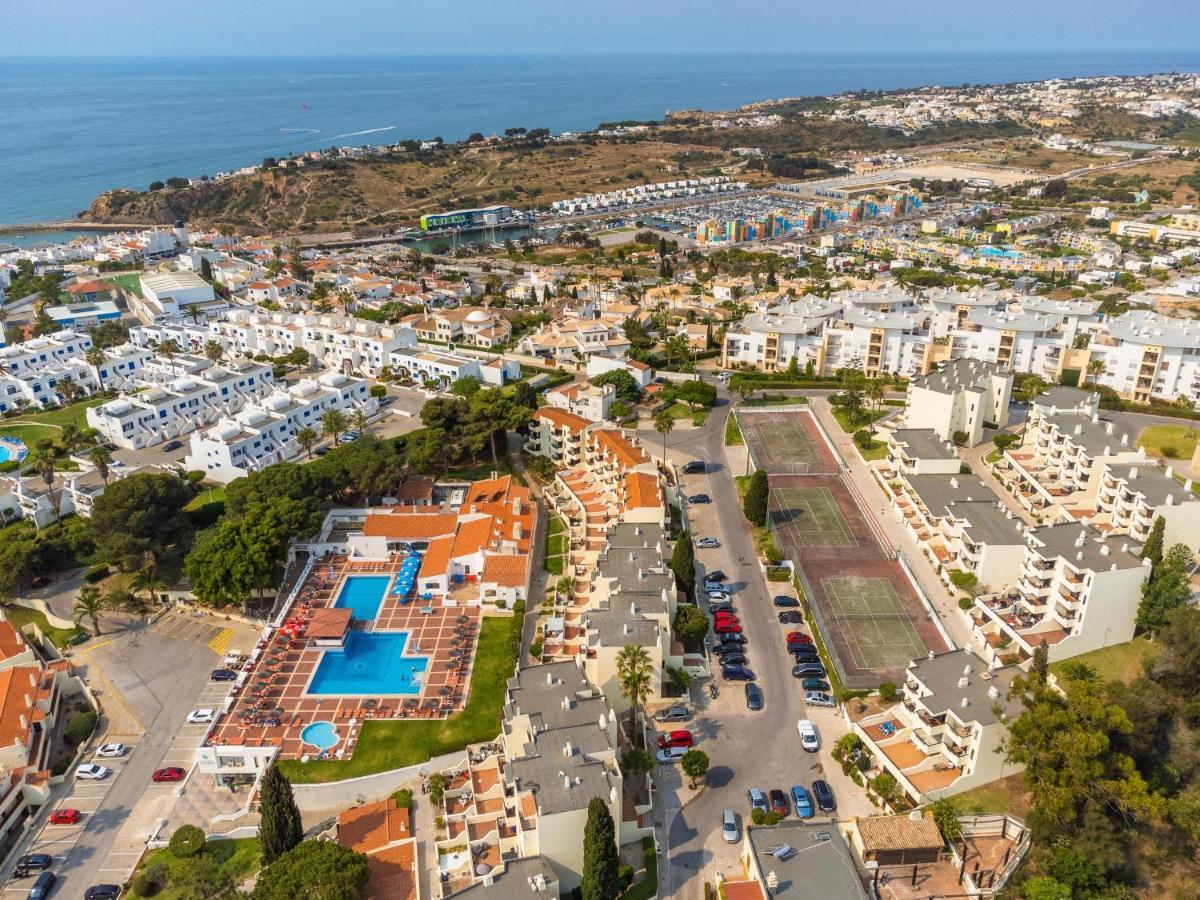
(679, 410)
(556, 545)
(239, 858)
(878, 450)
(862, 419)
(130, 283)
(59, 637)
(775, 400)
(394, 744)
(205, 497)
(1008, 795)
(1120, 662)
(733, 434)
(1170, 441)
(36, 426)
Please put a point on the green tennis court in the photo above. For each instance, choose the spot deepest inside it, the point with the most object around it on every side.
(786, 442)
(873, 622)
(810, 517)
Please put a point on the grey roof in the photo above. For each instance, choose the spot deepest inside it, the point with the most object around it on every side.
(1065, 308)
(1065, 399)
(799, 317)
(910, 319)
(923, 443)
(961, 675)
(976, 297)
(958, 374)
(1144, 327)
(987, 522)
(940, 492)
(1153, 483)
(1085, 548)
(517, 882)
(1097, 437)
(821, 865)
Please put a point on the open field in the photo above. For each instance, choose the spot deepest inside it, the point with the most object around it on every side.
(1170, 442)
(1120, 662)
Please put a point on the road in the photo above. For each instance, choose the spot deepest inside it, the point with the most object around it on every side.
(746, 749)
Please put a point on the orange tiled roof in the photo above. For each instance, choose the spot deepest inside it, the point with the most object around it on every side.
(11, 642)
(562, 419)
(473, 536)
(641, 490)
(373, 826)
(15, 686)
(506, 570)
(490, 489)
(437, 558)
(328, 622)
(620, 447)
(409, 526)
(743, 890)
(393, 875)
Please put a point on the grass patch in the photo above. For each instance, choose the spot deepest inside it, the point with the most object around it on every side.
(59, 637)
(1007, 795)
(1120, 662)
(394, 744)
(239, 859)
(205, 497)
(129, 283)
(679, 410)
(878, 450)
(865, 417)
(775, 400)
(483, 470)
(557, 541)
(648, 886)
(33, 427)
(1169, 441)
(733, 434)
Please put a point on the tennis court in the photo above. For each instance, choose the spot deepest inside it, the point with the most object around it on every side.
(787, 442)
(809, 517)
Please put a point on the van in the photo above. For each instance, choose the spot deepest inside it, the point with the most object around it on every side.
(43, 886)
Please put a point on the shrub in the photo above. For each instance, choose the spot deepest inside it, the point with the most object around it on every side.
(61, 765)
(186, 842)
(887, 691)
(1170, 452)
(772, 555)
(96, 573)
(965, 603)
(960, 438)
(778, 573)
(535, 649)
(80, 728)
(144, 886)
(378, 391)
(404, 798)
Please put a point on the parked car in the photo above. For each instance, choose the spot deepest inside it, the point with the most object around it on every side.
(715, 608)
(708, 543)
(786, 602)
(803, 653)
(716, 576)
(43, 886)
(102, 892)
(754, 697)
(814, 684)
(170, 446)
(803, 803)
(791, 617)
(694, 467)
(170, 773)
(726, 617)
(65, 816)
(779, 802)
(798, 637)
(670, 755)
(348, 437)
(717, 594)
(737, 673)
(727, 628)
(735, 659)
(808, 736)
(699, 498)
(111, 751)
(321, 451)
(758, 800)
(713, 586)
(733, 639)
(222, 675)
(820, 698)
(202, 716)
(824, 795)
(32, 862)
(675, 739)
(673, 714)
(808, 670)
(92, 772)
(729, 827)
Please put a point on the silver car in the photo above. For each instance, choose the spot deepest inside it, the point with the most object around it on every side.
(729, 826)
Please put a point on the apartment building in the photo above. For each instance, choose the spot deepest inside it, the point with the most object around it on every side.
(263, 432)
(171, 296)
(771, 339)
(1148, 356)
(959, 399)
(189, 337)
(1133, 495)
(178, 407)
(944, 736)
(472, 326)
(557, 435)
(1079, 590)
(920, 451)
(589, 401)
(443, 367)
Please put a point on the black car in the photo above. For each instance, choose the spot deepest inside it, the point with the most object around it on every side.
(715, 576)
(721, 607)
(737, 673)
(733, 639)
(791, 617)
(223, 675)
(803, 655)
(784, 602)
(43, 886)
(808, 670)
(172, 445)
(321, 451)
(102, 892)
(754, 697)
(824, 796)
(699, 498)
(695, 467)
(33, 862)
(735, 659)
(726, 649)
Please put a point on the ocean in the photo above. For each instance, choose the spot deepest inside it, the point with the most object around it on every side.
(73, 128)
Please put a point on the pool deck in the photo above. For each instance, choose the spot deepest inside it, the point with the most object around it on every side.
(447, 634)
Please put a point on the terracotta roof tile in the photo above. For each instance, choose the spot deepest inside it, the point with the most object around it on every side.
(562, 419)
(373, 826)
(506, 570)
(436, 561)
(473, 536)
(409, 525)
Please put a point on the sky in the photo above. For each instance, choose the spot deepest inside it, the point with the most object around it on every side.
(397, 27)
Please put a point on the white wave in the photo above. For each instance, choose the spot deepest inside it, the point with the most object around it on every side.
(301, 130)
(357, 133)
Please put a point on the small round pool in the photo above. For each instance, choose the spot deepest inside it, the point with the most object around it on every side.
(12, 449)
(321, 735)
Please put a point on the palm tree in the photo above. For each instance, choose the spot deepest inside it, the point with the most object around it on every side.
(88, 605)
(68, 389)
(307, 438)
(72, 437)
(100, 458)
(1095, 368)
(168, 349)
(116, 597)
(193, 312)
(663, 424)
(333, 423)
(633, 672)
(95, 357)
(46, 464)
(213, 351)
(146, 581)
(875, 391)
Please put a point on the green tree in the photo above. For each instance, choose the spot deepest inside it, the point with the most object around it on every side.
(333, 423)
(307, 439)
(213, 351)
(945, 814)
(663, 424)
(696, 393)
(1168, 588)
(525, 395)
(280, 829)
(45, 463)
(694, 764)
(691, 626)
(466, 387)
(147, 581)
(625, 386)
(683, 564)
(634, 675)
(1153, 548)
(139, 517)
(755, 504)
(314, 870)
(600, 860)
(100, 457)
(636, 762)
(88, 605)
(1044, 887)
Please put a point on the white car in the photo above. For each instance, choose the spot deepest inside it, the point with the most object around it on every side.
(708, 543)
(202, 716)
(729, 826)
(808, 736)
(110, 751)
(671, 755)
(92, 772)
(722, 596)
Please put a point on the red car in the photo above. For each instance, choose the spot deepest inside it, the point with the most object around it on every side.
(728, 618)
(170, 773)
(681, 738)
(65, 817)
(727, 628)
(798, 637)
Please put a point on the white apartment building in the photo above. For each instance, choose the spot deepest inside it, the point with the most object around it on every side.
(960, 397)
(264, 431)
(178, 407)
(920, 451)
(445, 368)
(1078, 591)
(1021, 341)
(31, 371)
(590, 401)
(770, 340)
(188, 336)
(174, 295)
(944, 736)
(38, 352)
(875, 342)
(1150, 356)
(1133, 495)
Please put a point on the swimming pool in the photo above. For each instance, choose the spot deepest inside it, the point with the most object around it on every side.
(12, 449)
(363, 595)
(321, 735)
(999, 252)
(372, 664)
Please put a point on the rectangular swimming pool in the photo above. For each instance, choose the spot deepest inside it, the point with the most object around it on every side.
(363, 595)
(372, 664)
